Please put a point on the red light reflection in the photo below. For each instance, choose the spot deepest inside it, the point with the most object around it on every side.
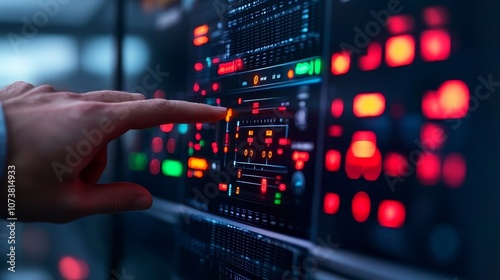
(167, 127)
(372, 59)
(395, 165)
(333, 160)
(400, 50)
(363, 157)
(454, 170)
(341, 62)
(369, 105)
(331, 203)
(432, 136)
(400, 24)
(337, 108)
(428, 169)
(154, 167)
(391, 214)
(450, 101)
(436, 16)
(157, 144)
(72, 268)
(361, 207)
(435, 45)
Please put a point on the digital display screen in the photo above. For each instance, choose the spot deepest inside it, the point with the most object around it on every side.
(347, 122)
(263, 61)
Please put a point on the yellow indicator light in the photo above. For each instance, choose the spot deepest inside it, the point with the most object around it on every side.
(229, 114)
(198, 173)
(201, 30)
(197, 163)
(363, 149)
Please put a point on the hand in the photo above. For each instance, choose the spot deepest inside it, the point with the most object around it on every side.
(57, 142)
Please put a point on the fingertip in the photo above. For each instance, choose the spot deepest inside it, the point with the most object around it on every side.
(221, 109)
(138, 199)
(114, 198)
(142, 202)
(138, 96)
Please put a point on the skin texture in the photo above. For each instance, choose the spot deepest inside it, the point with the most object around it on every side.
(57, 163)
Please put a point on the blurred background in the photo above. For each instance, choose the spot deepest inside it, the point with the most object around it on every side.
(84, 46)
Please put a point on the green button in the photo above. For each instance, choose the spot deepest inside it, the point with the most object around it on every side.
(171, 168)
(302, 68)
(311, 67)
(277, 201)
(137, 161)
(317, 66)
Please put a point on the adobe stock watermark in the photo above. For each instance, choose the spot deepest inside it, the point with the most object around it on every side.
(39, 19)
(211, 190)
(116, 275)
(482, 92)
(372, 29)
(152, 80)
(92, 139)
(310, 264)
(221, 8)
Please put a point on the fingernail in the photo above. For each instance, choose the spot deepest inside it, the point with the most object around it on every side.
(222, 109)
(142, 202)
(138, 96)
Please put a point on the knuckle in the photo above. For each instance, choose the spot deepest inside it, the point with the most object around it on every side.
(59, 96)
(160, 104)
(21, 85)
(92, 96)
(44, 88)
(68, 95)
(91, 107)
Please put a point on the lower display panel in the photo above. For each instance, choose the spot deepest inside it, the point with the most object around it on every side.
(223, 251)
(208, 247)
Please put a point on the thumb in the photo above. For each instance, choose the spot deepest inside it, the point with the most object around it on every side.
(114, 197)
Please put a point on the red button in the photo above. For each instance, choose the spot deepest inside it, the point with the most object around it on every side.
(332, 160)
(331, 203)
(361, 205)
(391, 214)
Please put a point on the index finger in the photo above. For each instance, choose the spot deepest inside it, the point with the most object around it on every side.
(111, 96)
(153, 112)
